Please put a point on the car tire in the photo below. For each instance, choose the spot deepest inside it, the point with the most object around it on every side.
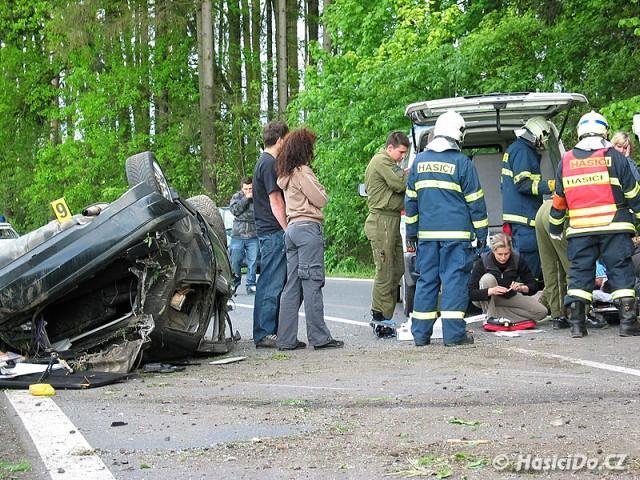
(207, 208)
(408, 295)
(143, 168)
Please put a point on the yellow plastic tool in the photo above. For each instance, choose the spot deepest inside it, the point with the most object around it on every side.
(41, 390)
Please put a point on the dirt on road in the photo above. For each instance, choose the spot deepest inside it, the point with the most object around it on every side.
(496, 409)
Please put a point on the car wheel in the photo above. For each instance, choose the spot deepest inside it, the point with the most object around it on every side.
(207, 208)
(408, 294)
(143, 168)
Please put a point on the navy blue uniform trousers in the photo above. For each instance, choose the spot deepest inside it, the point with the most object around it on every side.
(446, 266)
(524, 240)
(615, 251)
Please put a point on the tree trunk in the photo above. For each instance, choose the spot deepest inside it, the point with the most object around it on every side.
(292, 47)
(161, 98)
(281, 47)
(207, 117)
(54, 127)
(252, 62)
(141, 27)
(235, 80)
(326, 37)
(269, 65)
(313, 14)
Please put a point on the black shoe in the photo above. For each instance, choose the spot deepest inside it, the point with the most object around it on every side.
(421, 344)
(330, 344)
(298, 345)
(597, 321)
(629, 326)
(560, 323)
(267, 342)
(577, 320)
(466, 340)
(383, 331)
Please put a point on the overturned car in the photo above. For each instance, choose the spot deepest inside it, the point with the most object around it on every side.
(146, 277)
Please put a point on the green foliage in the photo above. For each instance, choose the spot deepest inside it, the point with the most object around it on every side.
(393, 53)
(128, 82)
(7, 468)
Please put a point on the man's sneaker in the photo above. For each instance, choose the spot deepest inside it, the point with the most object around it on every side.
(560, 323)
(383, 328)
(501, 321)
(299, 344)
(466, 340)
(330, 344)
(596, 321)
(251, 290)
(267, 342)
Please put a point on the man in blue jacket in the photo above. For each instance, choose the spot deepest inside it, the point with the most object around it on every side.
(523, 188)
(445, 210)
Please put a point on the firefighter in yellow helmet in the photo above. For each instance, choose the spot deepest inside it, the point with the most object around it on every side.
(523, 188)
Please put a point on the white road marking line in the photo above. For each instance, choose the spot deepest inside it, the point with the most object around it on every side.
(333, 319)
(473, 319)
(579, 361)
(345, 279)
(300, 386)
(66, 455)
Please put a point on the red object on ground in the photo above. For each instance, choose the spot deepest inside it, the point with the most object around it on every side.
(509, 327)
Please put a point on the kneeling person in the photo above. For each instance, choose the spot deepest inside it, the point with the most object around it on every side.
(503, 286)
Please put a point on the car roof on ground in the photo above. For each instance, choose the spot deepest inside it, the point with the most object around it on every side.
(510, 109)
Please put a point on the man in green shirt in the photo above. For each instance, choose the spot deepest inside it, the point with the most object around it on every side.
(386, 182)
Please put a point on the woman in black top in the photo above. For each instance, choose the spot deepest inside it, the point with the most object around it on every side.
(503, 286)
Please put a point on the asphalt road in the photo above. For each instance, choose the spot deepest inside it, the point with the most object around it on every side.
(374, 409)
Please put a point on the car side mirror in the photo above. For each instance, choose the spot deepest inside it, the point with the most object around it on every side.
(362, 190)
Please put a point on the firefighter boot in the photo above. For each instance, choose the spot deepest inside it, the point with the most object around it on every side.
(577, 320)
(629, 326)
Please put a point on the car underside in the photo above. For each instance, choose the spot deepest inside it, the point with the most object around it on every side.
(144, 278)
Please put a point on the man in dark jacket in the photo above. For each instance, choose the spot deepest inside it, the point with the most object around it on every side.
(244, 238)
(502, 284)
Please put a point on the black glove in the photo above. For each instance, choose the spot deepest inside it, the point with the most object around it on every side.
(411, 244)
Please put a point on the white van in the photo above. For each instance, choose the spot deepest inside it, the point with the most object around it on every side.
(490, 123)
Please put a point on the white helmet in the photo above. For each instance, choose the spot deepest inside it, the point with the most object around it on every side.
(450, 124)
(540, 128)
(592, 124)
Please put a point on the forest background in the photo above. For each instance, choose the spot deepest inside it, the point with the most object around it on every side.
(85, 84)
